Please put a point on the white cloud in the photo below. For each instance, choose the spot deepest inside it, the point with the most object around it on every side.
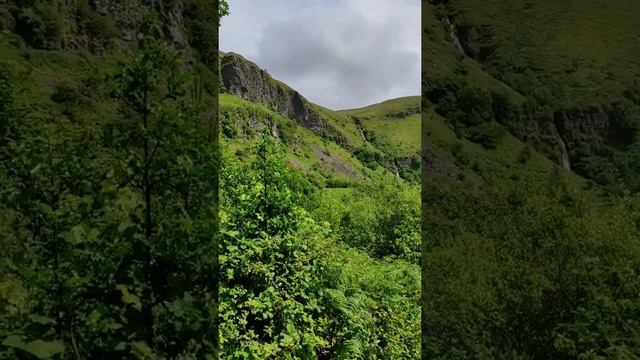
(337, 53)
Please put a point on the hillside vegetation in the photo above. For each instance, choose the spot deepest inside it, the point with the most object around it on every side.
(91, 266)
(530, 218)
(108, 178)
(320, 223)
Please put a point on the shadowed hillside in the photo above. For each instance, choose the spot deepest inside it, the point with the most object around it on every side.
(529, 194)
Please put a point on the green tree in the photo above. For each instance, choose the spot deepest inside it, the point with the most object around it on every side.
(110, 225)
(270, 261)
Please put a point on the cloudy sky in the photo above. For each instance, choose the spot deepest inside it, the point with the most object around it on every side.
(337, 53)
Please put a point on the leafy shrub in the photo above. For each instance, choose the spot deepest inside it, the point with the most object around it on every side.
(383, 219)
(474, 106)
(7, 103)
(41, 25)
(525, 154)
(287, 131)
(506, 254)
(624, 124)
(457, 150)
(229, 127)
(337, 183)
(66, 94)
(504, 110)
(289, 290)
(369, 158)
(6, 20)
(267, 308)
(460, 102)
(488, 134)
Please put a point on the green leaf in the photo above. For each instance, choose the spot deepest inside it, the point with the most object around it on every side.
(129, 298)
(231, 233)
(38, 348)
(41, 319)
(142, 351)
(45, 349)
(13, 341)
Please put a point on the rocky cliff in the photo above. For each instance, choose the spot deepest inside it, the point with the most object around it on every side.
(92, 24)
(569, 135)
(244, 79)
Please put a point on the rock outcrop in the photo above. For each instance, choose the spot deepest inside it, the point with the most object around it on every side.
(246, 80)
(91, 24)
(562, 134)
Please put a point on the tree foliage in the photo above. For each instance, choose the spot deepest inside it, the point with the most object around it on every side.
(82, 275)
(290, 288)
(536, 271)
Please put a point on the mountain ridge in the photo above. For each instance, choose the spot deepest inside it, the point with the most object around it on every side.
(245, 80)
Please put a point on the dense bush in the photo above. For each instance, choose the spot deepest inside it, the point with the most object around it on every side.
(270, 262)
(460, 102)
(287, 132)
(66, 94)
(201, 26)
(382, 218)
(487, 134)
(41, 25)
(525, 154)
(289, 290)
(624, 123)
(96, 25)
(533, 271)
(371, 159)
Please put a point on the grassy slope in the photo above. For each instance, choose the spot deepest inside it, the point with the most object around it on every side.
(391, 140)
(44, 71)
(84, 73)
(394, 136)
(303, 152)
(557, 41)
(478, 165)
(442, 59)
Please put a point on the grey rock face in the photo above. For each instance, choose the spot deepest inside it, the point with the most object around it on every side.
(564, 132)
(126, 16)
(247, 81)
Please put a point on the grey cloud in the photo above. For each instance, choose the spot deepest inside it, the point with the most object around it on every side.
(347, 53)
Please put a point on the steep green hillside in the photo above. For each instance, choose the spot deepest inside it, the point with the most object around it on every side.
(530, 128)
(322, 161)
(582, 53)
(570, 92)
(393, 125)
